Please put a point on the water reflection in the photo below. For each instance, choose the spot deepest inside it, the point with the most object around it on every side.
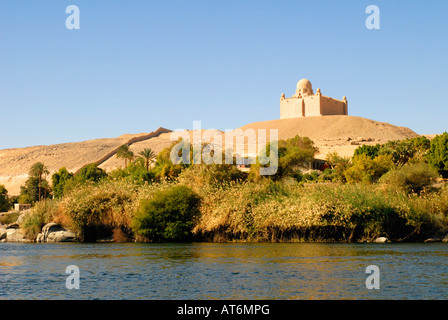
(223, 271)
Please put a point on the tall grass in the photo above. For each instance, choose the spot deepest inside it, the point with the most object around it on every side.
(257, 211)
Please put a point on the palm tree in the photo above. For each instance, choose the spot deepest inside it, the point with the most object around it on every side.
(148, 155)
(123, 152)
(38, 170)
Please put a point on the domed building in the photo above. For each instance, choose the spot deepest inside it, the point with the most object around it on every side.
(306, 103)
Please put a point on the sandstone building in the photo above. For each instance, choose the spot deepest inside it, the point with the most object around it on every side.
(306, 103)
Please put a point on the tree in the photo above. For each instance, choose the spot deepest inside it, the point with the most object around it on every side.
(5, 204)
(403, 151)
(294, 154)
(438, 154)
(90, 172)
(39, 170)
(59, 180)
(165, 168)
(123, 152)
(367, 170)
(371, 151)
(148, 155)
(29, 193)
(338, 165)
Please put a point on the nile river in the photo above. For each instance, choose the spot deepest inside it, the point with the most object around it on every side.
(224, 271)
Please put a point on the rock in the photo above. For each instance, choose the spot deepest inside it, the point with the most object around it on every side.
(16, 235)
(445, 239)
(3, 234)
(40, 237)
(22, 216)
(13, 226)
(53, 232)
(62, 236)
(106, 240)
(433, 240)
(381, 240)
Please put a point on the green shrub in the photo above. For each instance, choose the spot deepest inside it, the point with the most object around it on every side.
(411, 178)
(168, 216)
(42, 213)
(96, 209)
(371, 151)
(367, 170)
(438, 154)
(90, 172)
(198, 175)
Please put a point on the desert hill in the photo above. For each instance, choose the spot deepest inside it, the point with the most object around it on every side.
(342, 134)
(330, 133)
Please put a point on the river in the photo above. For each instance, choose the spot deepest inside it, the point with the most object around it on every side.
(223, 271)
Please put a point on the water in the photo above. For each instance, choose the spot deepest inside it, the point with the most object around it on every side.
(223, 271)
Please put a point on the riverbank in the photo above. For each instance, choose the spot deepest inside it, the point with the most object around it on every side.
(265, 211)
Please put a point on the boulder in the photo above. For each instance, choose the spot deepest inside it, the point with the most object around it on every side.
(3, 234)
(53, 232)
(22, 216)
(16, 235)
(445, 239)
(381, 240)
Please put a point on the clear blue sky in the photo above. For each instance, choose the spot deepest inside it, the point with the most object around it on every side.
(136, 65)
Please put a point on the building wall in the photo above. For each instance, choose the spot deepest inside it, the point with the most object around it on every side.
(313, 105)
(330, 106)
(290, 108)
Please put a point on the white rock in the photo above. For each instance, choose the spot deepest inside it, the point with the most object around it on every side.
(381, 240)
(53, 232)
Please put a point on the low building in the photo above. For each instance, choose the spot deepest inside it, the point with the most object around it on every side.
(21, 206)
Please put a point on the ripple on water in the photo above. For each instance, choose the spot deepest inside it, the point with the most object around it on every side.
(223, 271)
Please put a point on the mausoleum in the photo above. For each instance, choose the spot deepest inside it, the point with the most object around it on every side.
(306, 103)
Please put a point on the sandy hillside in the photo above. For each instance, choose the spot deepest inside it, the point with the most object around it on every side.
(330, 133)
(16, 163)
(342, 134)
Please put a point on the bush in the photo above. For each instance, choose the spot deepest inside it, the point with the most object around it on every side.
(95, 210)
(199, 175)
(411, 178)
(294, 154)
(90, 172)
(42, 213)
(367, 170)
(438, 154)
(135, 172)
(168, 216)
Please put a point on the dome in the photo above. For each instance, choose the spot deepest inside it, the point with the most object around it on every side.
(304, 84)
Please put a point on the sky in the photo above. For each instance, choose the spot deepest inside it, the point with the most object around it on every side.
(134, 66)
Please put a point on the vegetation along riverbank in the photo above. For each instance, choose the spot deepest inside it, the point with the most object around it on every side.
(395, 190)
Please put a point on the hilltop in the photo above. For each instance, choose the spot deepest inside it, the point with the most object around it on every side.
(330, 133)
